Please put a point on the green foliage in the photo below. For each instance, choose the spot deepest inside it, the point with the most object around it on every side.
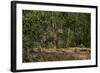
(75, 26)
(50, 45)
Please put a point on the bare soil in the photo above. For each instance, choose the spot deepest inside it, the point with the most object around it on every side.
(52, 54)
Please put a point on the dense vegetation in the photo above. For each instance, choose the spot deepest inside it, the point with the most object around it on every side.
(75, 27)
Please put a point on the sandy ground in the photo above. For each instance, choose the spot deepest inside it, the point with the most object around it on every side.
(51, 54)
